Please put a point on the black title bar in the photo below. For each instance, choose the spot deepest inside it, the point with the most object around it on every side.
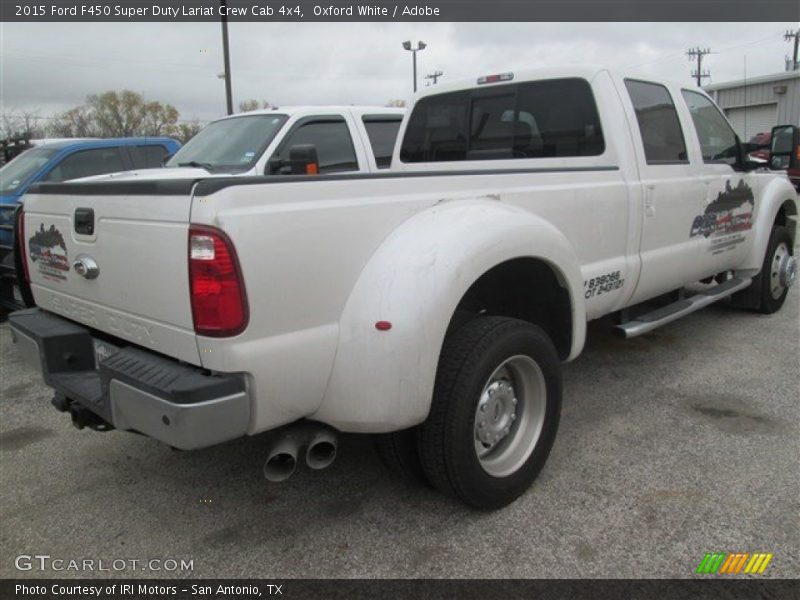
(381, 10)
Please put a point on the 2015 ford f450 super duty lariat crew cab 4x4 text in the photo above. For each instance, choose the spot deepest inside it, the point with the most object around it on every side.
(431, 304)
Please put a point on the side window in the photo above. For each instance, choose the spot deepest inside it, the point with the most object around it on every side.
(150, 156)
(332, 140)
(382, 136)
(557, 118)
(437, 129)
(87, 163)
(539, 119)
(717, 138)
(658, 122)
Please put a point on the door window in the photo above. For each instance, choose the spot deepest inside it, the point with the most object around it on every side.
(382, 136)
(659, 125)
(717, 138)
(147, 157)
(87, 163)
(333, 142)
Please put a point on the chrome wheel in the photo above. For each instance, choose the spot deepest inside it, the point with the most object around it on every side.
(783, 271)
(510, 415)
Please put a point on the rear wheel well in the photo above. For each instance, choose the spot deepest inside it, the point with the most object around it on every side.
(521, 288)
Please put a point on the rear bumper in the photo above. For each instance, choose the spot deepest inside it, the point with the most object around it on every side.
(130, 388)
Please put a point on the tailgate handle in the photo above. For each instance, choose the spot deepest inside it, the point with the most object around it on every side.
(84, 221)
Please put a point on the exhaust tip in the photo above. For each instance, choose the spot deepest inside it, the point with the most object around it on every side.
(280, 466)
(321, 454)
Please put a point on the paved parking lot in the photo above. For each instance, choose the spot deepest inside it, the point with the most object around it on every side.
(681, 442)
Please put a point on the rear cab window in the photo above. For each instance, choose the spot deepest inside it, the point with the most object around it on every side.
(382, 133)
(539, 119)
(659, 125)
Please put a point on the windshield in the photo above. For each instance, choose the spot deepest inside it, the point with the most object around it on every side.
(229, 144)
(18, 171)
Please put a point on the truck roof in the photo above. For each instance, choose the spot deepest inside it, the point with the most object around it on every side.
(63, 143)
(584, 71)
(321, 109)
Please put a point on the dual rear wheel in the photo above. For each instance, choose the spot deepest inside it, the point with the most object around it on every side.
(493, 418)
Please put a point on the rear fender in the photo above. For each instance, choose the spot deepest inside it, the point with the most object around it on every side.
(383, 380)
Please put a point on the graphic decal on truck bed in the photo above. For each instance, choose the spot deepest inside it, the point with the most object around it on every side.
(732, 211)
(48, 250)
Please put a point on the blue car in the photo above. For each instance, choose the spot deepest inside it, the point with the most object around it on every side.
(61, 161)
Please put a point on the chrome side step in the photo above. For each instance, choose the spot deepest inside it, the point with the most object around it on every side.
(666, 314)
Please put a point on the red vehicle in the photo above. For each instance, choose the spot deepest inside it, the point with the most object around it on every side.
(785, 152)
(761, 139)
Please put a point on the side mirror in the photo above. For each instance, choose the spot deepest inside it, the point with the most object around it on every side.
(303, 159)
(166, 158)
(784, 148)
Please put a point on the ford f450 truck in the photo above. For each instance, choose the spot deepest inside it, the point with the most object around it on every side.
(432, 304)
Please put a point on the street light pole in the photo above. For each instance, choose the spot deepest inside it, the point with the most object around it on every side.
(420, 46)
(226, 56)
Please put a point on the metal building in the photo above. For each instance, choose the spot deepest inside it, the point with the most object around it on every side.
(757, 104)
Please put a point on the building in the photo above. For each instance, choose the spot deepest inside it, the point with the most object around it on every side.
(758, 104)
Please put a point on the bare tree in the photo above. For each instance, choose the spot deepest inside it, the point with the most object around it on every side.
(253, 104)
(22, 124)
(398, 103)
(186, 130)
(117, 114)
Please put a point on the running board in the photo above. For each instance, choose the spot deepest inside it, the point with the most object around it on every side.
(666, 314)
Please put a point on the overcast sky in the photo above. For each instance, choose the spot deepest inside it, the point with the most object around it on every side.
(50, 67)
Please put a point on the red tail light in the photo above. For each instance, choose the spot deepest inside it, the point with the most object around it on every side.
(219, 302)
(21, 244)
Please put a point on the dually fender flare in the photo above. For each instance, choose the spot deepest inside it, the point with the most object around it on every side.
(382, 380)
(774, 195)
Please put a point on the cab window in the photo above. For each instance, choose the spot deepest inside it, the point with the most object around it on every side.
(148, 156)
(537, 119)
(87, 163)
(717, 138)
(659, 125)
(332, 140)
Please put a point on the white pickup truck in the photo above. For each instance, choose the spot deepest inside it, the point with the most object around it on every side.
(432, 303)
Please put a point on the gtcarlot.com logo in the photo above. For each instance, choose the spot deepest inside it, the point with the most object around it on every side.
(45, 562)
(734, 563)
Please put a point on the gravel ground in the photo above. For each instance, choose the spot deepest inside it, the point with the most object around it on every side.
(671, 445)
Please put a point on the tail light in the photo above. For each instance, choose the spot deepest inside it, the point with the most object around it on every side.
(21, 244)
(219, 302)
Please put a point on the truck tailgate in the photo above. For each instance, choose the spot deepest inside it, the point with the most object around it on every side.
(138, 242)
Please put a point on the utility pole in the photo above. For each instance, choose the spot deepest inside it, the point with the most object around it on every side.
(435, 76)
(698, 53)
(226, 56)
(796, 35)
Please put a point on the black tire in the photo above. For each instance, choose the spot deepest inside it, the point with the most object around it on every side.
(447, 439)
(769, 303)
(398, 451)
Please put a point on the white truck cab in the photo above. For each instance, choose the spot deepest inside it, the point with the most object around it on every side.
(255, 143)
(431, 303)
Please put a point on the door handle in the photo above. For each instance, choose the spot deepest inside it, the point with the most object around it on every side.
(649, 201)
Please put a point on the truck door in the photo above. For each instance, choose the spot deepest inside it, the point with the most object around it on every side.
(672, 193)
(724, 226)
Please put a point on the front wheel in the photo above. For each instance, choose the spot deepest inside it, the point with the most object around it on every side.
(778, 272)
(495, 411)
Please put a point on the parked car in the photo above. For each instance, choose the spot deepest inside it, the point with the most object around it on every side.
(432, 303)
(61, 160)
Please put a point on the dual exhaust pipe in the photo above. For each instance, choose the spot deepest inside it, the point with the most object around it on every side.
(316, 442)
